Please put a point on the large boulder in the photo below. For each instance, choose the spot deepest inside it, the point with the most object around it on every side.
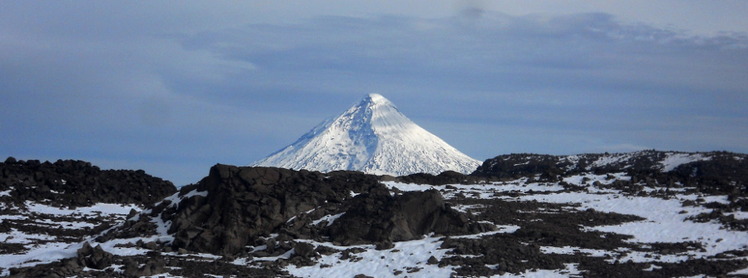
(94, 257)
(380, 217)
(244, 203)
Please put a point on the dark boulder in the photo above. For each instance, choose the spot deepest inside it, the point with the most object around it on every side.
(379, 217)
(152, 266)
(244, 203)
(10, 160)
(304, 250)
(94, 257)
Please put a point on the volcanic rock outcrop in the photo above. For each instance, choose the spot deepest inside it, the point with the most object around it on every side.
(378, 217)
(78, 183)
(711, 172)
(244, 203)
(446, 177)
(236, 206)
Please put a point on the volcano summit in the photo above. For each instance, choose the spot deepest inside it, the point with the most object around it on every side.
(372, 137)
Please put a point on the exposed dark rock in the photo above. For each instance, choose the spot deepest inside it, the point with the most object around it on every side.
(130, 229)
(10, 160)
(78, 183)
(432, 260)
(94, 257)
(514, 166)
(193, 268)
(447, 177)
(379, 217)
(304, 250)
(244, 203)
(63, 268)
(152, 266)
(724, 173)
(721, 173)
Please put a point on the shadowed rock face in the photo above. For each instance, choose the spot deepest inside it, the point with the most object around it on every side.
(379, 217)
(78, 183)
(244, 203)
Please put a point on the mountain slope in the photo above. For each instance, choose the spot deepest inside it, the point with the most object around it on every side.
(373, 137)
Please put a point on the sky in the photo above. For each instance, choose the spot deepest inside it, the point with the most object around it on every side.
(176, 87)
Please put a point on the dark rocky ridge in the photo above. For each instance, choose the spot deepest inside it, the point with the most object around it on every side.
(446, 177)
(723, 172)
(78, 183)
(242, 205)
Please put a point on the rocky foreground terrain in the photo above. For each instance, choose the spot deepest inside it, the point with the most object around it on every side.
(647, 214)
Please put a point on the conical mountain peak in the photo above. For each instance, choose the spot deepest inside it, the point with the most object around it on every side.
(377, 99)
(376, 102)
(374, 137)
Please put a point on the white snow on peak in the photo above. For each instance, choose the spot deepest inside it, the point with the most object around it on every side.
(373, 137)
(379, 99)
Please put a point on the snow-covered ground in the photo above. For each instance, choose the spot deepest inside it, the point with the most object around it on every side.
(41, 245)
(406, 256)
(665, 220)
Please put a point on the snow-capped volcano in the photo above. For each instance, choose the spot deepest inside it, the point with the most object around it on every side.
(373, 137)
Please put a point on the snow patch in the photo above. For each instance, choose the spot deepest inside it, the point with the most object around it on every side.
(570, 270)
(329, 218)
(96, 209)
(379, 263)
(40, 254)
(673, 160)
(664, 221)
